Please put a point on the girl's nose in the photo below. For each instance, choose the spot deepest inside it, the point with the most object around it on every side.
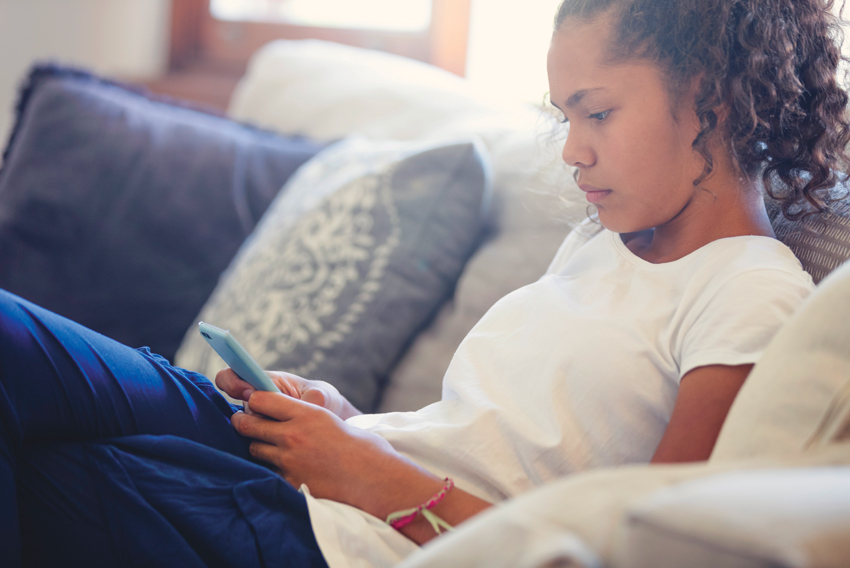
(577, 152)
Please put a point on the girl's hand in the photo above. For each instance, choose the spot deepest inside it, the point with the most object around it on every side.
(319, 393)
(309, 444)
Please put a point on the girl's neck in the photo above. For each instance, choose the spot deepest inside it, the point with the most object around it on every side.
(724, 205)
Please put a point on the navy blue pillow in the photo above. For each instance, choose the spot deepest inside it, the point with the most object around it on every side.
(120, 211)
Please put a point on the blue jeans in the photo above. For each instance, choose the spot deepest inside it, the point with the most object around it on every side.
(110, 456)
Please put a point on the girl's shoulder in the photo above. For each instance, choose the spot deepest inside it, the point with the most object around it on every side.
(737, 256)
(741, 282)
(748, 257)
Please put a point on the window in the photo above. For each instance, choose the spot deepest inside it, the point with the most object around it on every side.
(392, 15)
(212, 40)
(223, 34)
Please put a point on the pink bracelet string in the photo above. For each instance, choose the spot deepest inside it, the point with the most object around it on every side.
(402, 518)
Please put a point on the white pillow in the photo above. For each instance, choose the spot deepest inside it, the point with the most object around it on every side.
(327, 90)
(797, 395)
(539, 529)
(752, 519)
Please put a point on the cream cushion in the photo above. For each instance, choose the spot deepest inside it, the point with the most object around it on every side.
(539, 528)
(327, 90)
(798, 395)
(794, 517)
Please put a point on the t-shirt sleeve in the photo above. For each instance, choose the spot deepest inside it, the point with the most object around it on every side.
(739, 319)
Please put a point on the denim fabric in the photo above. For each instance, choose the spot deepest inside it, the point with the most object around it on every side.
(109, 456)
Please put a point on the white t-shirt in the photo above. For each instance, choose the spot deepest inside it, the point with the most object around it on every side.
(578, 370)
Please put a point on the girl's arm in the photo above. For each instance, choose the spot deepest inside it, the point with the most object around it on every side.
(309, 444)
(705, 396)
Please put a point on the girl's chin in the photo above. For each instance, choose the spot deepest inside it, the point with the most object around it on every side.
(621, 226)
(612, 223)
(623, 222)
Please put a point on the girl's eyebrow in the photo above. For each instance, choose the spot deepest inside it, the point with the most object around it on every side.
(576, 97)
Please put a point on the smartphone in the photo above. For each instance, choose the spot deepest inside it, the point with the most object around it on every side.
(236, 357)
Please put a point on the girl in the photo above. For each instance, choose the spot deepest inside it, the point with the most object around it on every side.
(630, 349)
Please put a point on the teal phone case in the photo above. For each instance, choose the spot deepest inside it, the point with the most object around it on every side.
(236, 357)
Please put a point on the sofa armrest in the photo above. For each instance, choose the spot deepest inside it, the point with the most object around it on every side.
(598, 508)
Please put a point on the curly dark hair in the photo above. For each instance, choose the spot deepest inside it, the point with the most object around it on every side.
(770, 65)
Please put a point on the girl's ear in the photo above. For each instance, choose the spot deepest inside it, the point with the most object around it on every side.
(722, 111)
(687, 100)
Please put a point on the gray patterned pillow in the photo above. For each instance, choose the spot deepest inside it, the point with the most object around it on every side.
(354, 256)
(821, 242)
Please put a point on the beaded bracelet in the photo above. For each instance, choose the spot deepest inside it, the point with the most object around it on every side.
(402, 518)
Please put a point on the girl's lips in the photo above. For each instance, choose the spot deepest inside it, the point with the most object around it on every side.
(594, 194)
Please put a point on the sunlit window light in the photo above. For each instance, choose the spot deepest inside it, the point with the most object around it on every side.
(396, 15)
(508, 44)
(508, 39)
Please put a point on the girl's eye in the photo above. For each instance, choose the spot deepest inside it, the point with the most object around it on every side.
(600, 116)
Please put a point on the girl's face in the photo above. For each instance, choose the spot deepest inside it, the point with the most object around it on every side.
(630, 143)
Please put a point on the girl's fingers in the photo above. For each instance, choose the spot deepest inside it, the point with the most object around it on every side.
(229, 382)
(332, 399)
(285, 386)
(259, 427)
(251, 425)
(318, 393)
(276, 406)
(270, 455)
(266, 453)
(314, 396)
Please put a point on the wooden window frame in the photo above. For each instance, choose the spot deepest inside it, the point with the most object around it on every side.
(198, 40)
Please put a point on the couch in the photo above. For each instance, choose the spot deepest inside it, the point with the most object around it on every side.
(776, 491)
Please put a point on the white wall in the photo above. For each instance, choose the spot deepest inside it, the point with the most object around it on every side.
(122, 38)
